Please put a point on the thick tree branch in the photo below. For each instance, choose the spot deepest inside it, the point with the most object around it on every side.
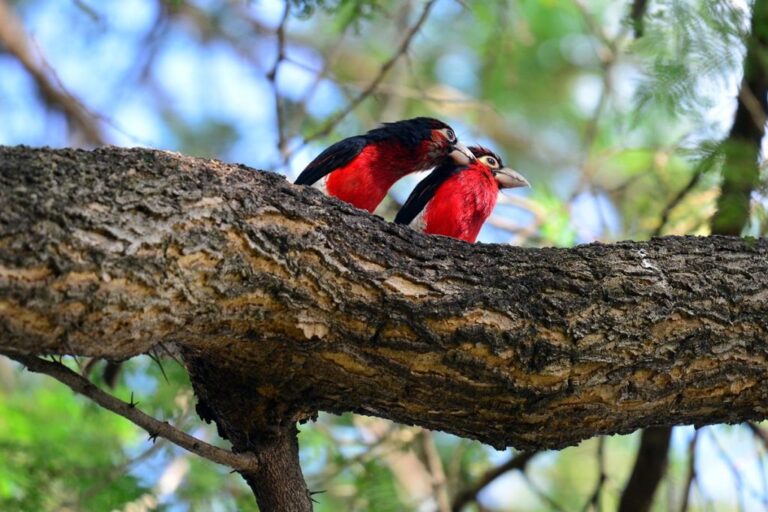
(129, 411)
(301, 303)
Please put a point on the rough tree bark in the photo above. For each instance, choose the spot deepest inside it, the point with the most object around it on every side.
(284, 302)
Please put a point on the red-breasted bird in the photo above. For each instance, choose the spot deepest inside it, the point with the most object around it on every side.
(454, 200)
(360, 170)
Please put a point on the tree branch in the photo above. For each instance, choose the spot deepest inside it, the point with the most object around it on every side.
(593, 503)
(371, 88)
(129, 411)
(518, 461)
(16, 42)
(649, 468)
(305, 303)
(637, 15)
(690, 479)
(676, 200)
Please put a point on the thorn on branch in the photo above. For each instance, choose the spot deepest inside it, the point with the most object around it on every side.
(154, 357)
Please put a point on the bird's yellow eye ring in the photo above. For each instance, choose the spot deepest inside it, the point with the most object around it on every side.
(490, 162)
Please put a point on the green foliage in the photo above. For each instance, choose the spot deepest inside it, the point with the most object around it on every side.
(687, 44)
(58, 449)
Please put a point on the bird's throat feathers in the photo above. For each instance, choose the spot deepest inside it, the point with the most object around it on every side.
(461, 205)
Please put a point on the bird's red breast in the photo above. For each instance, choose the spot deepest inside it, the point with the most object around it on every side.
(461, 205)
(365, 180)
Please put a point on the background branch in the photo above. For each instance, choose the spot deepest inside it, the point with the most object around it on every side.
(516, 462)
(354, 102)
(16, 42)
(649, 468)
(130, 411)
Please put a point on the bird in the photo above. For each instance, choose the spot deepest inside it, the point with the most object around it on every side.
(455, 199)
(360, 170)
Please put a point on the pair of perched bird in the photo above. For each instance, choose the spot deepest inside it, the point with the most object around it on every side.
(453, 200)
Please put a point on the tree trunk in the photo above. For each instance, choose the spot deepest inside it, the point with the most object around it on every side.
(303, 303)
(741, 172)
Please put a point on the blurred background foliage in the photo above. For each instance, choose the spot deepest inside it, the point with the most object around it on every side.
(618, 113)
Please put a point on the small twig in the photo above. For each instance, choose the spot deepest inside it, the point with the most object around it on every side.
(752, 105)
(741, 487)
(154, 357)
(88, 10)
(761, 434)
(129, 411)
(592, 128)
(414, 93)
(272, 77)
(542, 495)
(518, 461)
(401, 50)
(695, 177)
(594, 499)
(691, 480)
(119, 471)
(313, 88)
(594, 26)
(435, 465)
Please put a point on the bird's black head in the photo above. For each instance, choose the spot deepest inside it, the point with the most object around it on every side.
(432, 138)
(412, 132)
(486, 156)
(505, 177)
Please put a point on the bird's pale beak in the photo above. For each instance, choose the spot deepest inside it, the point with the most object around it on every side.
(461, 154)
(507, 178)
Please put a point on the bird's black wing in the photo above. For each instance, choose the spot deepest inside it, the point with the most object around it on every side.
(424, 192)
(337, 155)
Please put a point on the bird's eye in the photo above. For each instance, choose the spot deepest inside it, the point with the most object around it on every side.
(450, 135)
(490, 162)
